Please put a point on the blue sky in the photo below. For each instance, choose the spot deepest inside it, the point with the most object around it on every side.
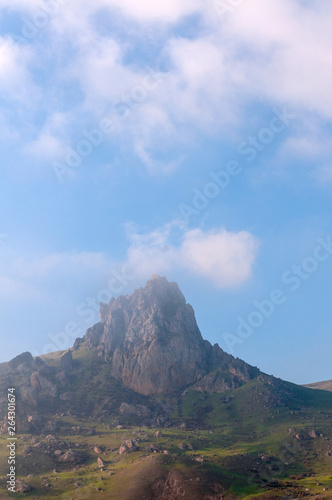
(189, 139)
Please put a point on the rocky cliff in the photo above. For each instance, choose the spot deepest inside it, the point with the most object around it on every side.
(153, 344)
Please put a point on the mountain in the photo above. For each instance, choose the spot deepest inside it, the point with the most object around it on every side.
(166, 414)
(153, 345)
(324, 386)
(146, 344)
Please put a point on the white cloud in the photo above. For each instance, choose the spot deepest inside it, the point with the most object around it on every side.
(101, 72)
(50, 142)
(284, 51)
(223, 258)
(15, 79)
(279, 52)
(200, 83)
(271, 52)
(45, 146)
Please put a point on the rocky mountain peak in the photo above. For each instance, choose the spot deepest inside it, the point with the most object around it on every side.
(148, 313)
(163, 291)
(152, 343)
(158, 294)
(151, 338)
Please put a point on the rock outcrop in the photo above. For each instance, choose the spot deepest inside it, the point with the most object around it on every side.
(128, 446)
(34, 382)
(36, 378)
(151, 339)
(153, 344)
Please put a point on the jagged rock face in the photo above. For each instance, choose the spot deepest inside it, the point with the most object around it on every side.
(35, 378)
(151, 339)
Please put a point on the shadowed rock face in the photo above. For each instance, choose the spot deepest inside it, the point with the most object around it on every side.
(151, 339)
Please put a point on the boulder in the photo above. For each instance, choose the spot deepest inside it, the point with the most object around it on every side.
(71, 456)
(22, 486)
(128, 446)
(122, 450)
(313, 434)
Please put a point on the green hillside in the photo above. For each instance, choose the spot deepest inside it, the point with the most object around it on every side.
(267, 439)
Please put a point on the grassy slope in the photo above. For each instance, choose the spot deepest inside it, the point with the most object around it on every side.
(253, 439)
(128, 476)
